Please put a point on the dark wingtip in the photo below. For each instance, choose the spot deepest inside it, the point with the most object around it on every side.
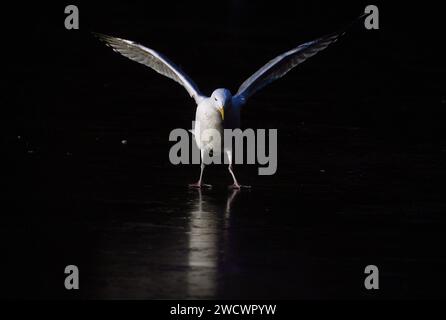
(344, 30)
(103, 37)
(100, 36)
(362, 16)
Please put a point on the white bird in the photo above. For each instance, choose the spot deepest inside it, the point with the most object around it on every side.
(221, 110)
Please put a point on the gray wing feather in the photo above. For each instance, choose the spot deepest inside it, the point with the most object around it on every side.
(281, 65)
(154, 60)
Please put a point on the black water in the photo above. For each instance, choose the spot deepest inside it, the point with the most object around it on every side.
(360, 177)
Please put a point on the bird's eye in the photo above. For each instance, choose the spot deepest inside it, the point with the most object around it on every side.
(215, 99)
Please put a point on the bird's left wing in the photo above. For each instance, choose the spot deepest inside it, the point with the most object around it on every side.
(154, 60)
(281, 65)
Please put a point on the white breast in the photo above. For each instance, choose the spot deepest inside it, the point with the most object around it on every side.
(208, 127)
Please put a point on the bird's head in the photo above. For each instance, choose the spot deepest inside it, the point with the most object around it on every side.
(221, 99)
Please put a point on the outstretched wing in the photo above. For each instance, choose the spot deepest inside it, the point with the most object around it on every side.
(281, 65)
(154, 60)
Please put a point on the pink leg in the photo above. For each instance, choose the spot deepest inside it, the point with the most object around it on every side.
(199, 183)
(235, 185)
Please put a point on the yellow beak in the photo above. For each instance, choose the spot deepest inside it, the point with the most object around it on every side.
(222, 112)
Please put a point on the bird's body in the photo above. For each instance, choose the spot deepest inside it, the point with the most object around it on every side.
(208, 126)
(221, 110)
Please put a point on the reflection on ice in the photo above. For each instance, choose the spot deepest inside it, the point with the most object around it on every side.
(206, 239)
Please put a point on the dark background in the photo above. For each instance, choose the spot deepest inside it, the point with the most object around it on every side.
(360, 175)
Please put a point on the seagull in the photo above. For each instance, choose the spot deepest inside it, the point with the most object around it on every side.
(221, 110)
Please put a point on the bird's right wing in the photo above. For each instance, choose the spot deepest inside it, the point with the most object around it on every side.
(154, 60)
